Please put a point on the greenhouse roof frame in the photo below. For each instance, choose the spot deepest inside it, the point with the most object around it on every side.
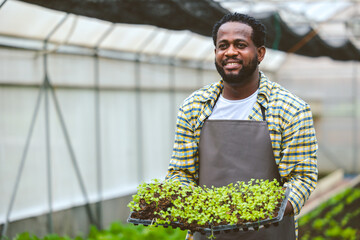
(199, 17)
(119, 26)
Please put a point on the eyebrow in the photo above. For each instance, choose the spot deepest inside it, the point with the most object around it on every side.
(235, 41)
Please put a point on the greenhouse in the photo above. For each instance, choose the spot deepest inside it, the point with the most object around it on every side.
(90, 93)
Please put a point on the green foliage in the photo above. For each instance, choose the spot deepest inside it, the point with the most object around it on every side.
(117, 231)
(349, 234)
(231, 204)
(28, 236)
(318, 224)
(319, 238)
(331, 221)
(349, 216)
(306, 236)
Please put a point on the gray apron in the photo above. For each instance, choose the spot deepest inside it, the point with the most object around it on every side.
(238, 150)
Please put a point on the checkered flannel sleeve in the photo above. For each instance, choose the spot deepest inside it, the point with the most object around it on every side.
(184, 159)
(298, 161)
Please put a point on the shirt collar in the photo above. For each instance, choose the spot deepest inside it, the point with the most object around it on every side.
(264, 90)
(212, 93)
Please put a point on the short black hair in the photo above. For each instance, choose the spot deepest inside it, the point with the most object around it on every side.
(258, 34)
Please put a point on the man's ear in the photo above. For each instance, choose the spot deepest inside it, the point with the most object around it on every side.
(261, 53)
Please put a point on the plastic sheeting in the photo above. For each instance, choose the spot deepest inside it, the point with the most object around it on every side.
(199, 17)
(137, 122)
(38, 22)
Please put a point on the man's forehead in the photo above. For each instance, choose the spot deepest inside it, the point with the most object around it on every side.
(234, 29)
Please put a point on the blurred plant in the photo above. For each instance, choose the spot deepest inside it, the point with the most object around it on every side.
(117, 231)
(331, 221)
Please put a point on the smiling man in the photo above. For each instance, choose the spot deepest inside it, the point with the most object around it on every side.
(237, 56)
(245, 127)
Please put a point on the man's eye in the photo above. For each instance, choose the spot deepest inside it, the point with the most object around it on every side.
(241, 45)
(222, 46)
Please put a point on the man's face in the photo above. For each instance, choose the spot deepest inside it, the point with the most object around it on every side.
(236, 56)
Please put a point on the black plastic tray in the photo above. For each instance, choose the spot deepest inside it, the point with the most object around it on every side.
(226, 228)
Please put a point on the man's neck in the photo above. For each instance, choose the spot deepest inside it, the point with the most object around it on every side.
(242, 90)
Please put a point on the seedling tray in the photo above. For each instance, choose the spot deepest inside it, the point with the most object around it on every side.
(223, 228)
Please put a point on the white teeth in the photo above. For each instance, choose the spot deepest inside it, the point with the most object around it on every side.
(232, 64)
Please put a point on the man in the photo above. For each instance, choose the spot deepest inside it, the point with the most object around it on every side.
(246, 126)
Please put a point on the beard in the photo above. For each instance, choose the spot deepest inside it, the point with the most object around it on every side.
(244, 73)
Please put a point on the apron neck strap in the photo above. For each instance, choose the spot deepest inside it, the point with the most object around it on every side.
(263, 112)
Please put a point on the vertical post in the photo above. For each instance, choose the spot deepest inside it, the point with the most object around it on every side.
(48, 86)
(355, 119)
(48, 143)
(98, 139)
(22, 162)
(98, 126)
(47, 126)
(72, 154)
(172, 90)
(64, 129)
(138, 118)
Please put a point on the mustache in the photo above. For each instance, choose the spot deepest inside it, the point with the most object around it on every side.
(225, 61)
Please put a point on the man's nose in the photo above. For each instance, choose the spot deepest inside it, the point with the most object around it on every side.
(231, 51)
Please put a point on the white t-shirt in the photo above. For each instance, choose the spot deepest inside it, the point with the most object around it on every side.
(233, 109)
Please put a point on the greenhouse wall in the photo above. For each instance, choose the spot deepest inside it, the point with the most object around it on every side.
(332, 89)
(126, 116)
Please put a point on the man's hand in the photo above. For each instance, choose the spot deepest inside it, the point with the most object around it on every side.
(289, 209)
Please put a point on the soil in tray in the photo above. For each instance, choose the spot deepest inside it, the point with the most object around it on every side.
(198, 208)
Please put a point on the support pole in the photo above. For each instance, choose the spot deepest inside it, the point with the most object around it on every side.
(47, 127)
(63, 126)
(48, 150)
(28, 138)
(98, 141)
(138, 117)
(72, 155)
(355, 120)
(98, 126)
(172, 81)
(22, 162)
